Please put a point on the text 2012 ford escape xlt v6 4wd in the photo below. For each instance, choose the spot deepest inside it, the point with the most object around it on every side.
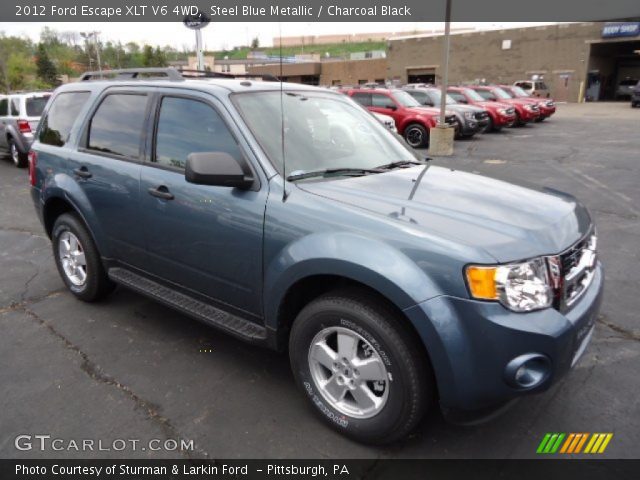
(394, 285)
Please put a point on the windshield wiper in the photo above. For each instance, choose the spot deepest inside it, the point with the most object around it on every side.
(301, 174)
(402, 163)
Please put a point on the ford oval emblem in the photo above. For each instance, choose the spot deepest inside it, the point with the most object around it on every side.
(197, 21)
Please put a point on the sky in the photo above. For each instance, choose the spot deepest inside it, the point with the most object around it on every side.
(226, 35)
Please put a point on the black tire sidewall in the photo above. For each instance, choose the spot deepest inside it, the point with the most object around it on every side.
(91, 287)
(425, 135)
(327, 313)
(22, 158)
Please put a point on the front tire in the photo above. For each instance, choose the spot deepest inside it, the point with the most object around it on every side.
(78, 260)
(19, 159)
(416, 135)
(361, 370)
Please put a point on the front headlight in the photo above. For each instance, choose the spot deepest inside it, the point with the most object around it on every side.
(502, 111)
(529, 107)
(469, 115)
(521, 287)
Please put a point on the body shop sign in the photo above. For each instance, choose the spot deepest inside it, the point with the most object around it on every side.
(621, 29)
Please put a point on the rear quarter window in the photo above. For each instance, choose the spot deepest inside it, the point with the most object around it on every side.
(35, 105)
(55, 127)
(4, 107)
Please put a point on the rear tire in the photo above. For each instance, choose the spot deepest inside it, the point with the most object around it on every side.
(343, 338)
(78, 259)
(19, 159)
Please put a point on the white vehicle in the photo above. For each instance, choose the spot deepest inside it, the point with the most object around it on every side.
(387, 121)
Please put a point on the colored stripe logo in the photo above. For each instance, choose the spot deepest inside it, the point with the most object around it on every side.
(573, 443)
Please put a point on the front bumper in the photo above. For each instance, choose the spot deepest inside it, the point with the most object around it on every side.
(468, 128)
(470, 344)
(500, 120)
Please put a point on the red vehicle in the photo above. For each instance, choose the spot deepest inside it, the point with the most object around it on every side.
(547, 105)
(500, 114)
(413, 120)
(526, 111)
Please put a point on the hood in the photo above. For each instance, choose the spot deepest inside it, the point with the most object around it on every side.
(459, 107)
(509, 222)
(428, 110)
(491, 104)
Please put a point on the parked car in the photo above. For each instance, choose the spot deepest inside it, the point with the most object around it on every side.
(547, 106)
(625, 88)
(500, 114)
(413, 121)
(387, 121)
(470, 118)
(635, 96)
(526, 111)
(535, 88)
(395, 286)
(19, 117)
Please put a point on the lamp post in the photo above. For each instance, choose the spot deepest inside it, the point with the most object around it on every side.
(197, 22)
(88, 36)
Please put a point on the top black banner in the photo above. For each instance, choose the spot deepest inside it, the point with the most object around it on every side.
(316, 10)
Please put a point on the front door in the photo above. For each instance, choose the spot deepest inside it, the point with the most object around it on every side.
(206, 239)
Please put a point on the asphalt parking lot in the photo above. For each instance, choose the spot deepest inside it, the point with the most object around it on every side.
(128, 368)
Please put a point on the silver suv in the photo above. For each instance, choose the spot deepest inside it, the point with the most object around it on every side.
(19, 117)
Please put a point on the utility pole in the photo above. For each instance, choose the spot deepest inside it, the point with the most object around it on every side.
(441, 137)
(87, 37)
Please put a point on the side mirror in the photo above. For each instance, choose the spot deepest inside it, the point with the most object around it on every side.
(462, 100)
(216, 169)
(391, 107)
(428, 103)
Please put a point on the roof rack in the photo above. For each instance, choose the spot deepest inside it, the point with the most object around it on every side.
(132, 73)
(169, 73)
(267, 77)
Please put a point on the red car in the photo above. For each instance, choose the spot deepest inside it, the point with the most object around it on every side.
(500, 114)
(547, 105)
(526, 111)
(413, 120)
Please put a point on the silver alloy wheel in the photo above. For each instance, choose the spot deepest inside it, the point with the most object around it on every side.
(15, 154)
(414, 137)
(72, 258)
(348, 372)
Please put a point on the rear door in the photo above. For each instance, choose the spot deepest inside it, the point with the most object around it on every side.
(107, 168)
(206, 239)
(382, 103)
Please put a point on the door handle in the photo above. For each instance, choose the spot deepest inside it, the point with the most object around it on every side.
(161, 192)
(83, 172)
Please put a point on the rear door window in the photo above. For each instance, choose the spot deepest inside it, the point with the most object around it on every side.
(55, 127)
(35, 105)
(4, 107)
(116, 127)
(189, 126)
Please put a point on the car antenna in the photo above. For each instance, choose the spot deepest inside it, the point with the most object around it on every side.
(284, 165)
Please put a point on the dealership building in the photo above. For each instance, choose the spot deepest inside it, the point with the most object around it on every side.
(576, 60)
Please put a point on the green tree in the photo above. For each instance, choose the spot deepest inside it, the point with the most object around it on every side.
(45, 68)
(255, 43)
(147, 56)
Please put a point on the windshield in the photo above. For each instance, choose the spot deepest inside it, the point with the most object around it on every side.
(404, 99)
(519, 92)
(436, 95)
(321, 131)
(35, 105)
(498, 92)
(473, 95)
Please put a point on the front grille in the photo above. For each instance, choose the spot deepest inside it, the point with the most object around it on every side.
(481, 115)
(575, 268)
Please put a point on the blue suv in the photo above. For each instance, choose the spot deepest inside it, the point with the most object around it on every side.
(289, 217)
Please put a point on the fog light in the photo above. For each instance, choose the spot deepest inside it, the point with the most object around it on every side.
(527, 371)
